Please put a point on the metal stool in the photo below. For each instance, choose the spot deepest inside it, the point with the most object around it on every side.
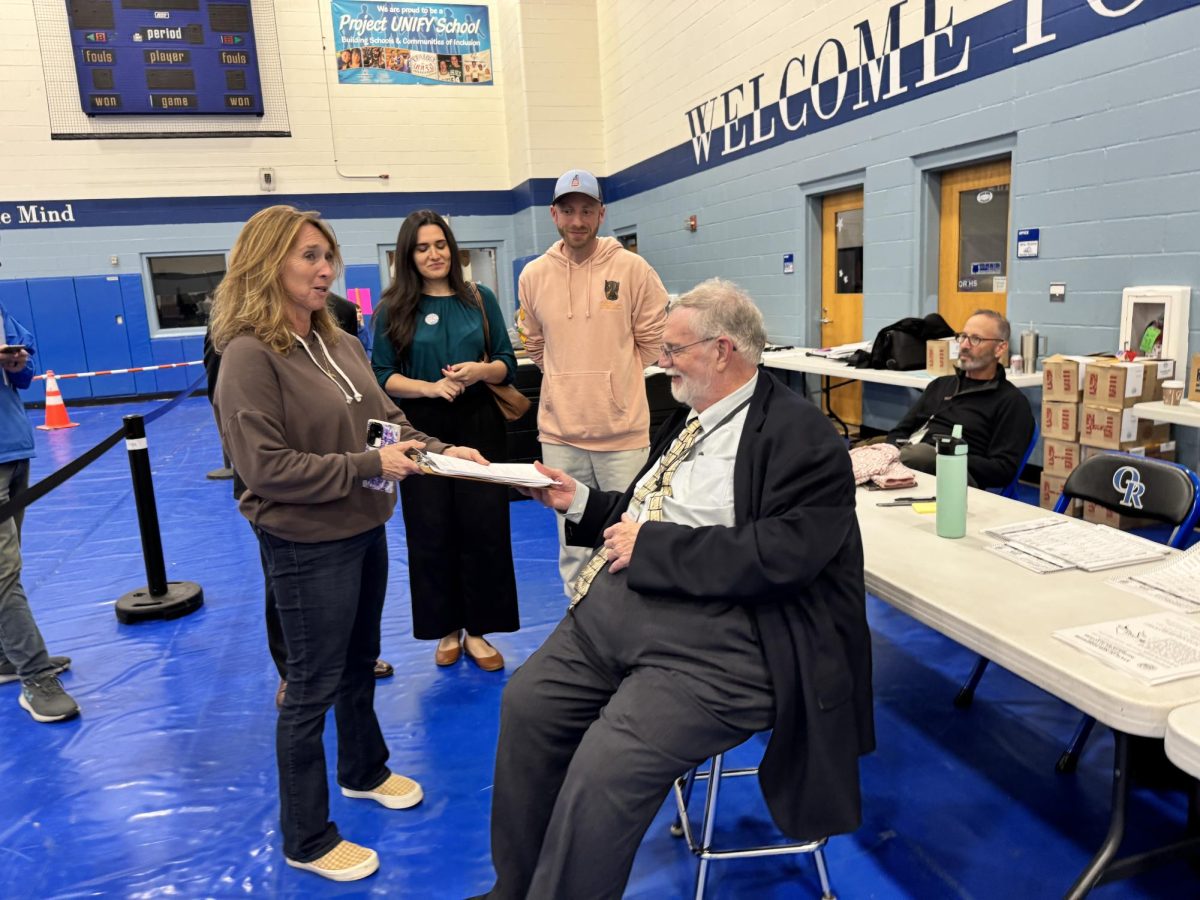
(704, 847)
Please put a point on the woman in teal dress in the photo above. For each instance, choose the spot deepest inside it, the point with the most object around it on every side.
(428, 355)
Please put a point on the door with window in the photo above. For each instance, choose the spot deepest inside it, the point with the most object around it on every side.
(842, 289)
(973, 253)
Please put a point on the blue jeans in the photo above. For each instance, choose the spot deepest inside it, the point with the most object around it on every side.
(330, 599)
(20, 641)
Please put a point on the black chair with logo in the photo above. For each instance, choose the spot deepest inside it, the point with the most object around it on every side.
(1154, 489)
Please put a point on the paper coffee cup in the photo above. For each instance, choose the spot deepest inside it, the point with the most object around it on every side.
(1172, 392)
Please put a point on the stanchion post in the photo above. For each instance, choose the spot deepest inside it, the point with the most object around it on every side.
(160, 599)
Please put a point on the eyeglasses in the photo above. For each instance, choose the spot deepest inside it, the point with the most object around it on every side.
(669, 352)
(973, 339)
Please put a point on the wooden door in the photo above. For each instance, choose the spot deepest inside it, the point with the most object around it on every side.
(841, 288)
(973, 255)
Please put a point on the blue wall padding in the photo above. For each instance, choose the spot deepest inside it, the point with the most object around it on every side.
(105, 338)
(59, 333)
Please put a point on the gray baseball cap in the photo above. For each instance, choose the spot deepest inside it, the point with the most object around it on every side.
(577, 181)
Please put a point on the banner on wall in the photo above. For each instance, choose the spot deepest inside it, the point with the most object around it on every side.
(398, 43)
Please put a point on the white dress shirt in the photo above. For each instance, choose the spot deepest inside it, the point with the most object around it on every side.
(702, 487)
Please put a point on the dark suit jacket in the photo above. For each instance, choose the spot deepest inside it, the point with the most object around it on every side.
(794, 559)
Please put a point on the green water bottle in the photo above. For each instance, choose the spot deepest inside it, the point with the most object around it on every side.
(951, 484)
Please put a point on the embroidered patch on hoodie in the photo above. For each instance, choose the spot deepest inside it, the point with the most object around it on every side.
(612, 291)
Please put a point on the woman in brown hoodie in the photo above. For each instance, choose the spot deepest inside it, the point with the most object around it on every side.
(292, 404)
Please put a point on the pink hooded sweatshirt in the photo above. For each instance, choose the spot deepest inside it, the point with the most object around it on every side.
(592, 328)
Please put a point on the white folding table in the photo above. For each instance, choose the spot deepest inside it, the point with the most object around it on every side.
(1009, 614)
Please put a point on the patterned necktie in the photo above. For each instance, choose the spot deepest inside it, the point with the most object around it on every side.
(650, 495)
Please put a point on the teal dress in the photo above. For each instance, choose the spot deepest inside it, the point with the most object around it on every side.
(448, 331)
(459, 543)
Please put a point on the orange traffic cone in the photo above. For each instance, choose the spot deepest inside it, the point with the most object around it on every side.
(56, 410)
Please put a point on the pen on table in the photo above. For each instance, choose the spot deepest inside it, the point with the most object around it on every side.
(908, 501)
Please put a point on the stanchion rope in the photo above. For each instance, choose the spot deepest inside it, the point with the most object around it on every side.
(50, 482)
(57, 377)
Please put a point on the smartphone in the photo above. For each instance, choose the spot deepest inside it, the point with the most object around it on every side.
(380, 434)
(16, 348)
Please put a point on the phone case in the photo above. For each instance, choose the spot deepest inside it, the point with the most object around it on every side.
(379, 434)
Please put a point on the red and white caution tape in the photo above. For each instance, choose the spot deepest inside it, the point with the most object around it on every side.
(198, 362)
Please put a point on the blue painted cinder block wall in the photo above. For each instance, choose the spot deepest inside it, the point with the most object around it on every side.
(1101, 131)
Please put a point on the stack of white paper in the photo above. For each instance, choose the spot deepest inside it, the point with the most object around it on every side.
(1174, 583)
(1051, 544)
(1158, 648)
(842, 351)
(514, 474)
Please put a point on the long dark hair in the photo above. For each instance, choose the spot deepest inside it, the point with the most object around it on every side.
(402, 296)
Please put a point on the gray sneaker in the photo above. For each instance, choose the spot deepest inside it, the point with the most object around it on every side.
(46, 701)
(8, 672)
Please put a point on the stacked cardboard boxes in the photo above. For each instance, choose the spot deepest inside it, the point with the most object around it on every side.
(1062, 411)
(1108, 423)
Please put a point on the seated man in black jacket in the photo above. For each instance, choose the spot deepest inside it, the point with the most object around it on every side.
(724, 597)
(996, 419)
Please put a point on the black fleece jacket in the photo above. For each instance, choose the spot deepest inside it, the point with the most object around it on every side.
(996, 419)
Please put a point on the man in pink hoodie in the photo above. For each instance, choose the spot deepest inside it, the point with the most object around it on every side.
(592, 317)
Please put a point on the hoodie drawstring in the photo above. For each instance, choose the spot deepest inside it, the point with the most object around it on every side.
(357, 397)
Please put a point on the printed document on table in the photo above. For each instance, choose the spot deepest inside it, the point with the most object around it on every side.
(1157, 648)
(515, 474)
(1027, 560)
(1080, 544)
(1174, 583)
(842, 351)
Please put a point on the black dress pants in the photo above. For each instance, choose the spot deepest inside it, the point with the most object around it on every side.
(628, 693)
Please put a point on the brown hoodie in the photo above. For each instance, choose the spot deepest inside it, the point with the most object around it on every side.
(592, 328)
(298, 437)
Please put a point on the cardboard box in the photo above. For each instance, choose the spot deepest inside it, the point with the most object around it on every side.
(1052, 486)
(941, 356)
(1060, 457)
(1166, 371)
(1103, 516)
(1119, 429)
(1113, 384)
(1164, 450)
(1193, 382)
(1060, 421)
(1060, 378)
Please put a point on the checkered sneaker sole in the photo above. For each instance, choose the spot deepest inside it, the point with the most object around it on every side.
(397, 792)
(345, 862)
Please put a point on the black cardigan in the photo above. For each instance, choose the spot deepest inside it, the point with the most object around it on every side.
(996, 419)
(794, 558)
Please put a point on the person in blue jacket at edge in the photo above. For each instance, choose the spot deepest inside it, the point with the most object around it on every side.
(23, 653)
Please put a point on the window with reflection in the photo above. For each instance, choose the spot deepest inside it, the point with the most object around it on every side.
(849, 225)
(183, 288)
(983, 239)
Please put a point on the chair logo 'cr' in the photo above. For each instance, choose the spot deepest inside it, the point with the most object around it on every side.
(1128, 481)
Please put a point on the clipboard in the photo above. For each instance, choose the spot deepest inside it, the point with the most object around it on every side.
(527, 477)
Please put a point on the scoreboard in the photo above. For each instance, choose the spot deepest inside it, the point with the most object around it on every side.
(155, 57)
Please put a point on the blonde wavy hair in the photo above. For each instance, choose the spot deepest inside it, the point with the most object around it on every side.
(250, 298)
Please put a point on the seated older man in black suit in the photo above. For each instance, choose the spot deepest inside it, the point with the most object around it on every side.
(996, 418)
(725, 598)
